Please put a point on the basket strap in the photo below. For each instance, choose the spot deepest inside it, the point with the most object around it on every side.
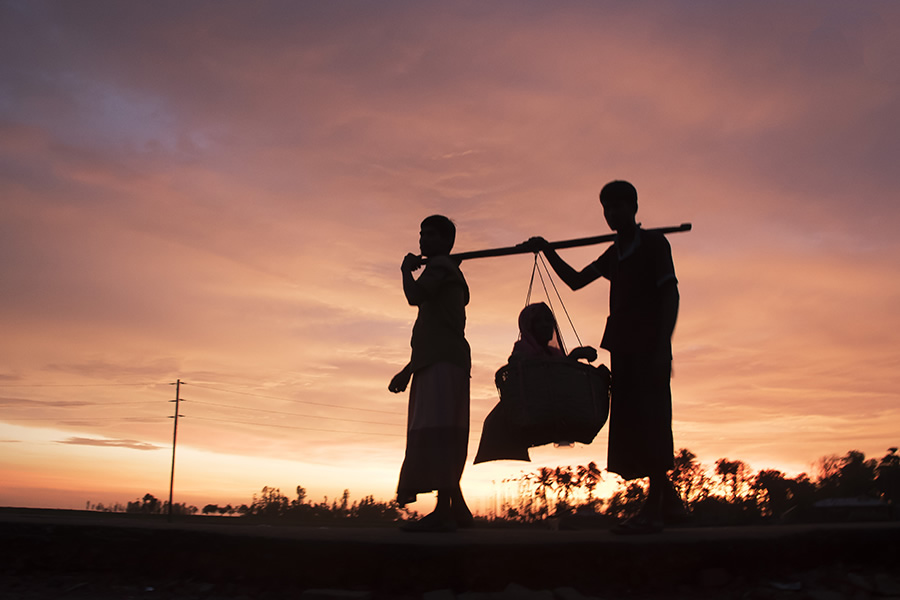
(540, 270)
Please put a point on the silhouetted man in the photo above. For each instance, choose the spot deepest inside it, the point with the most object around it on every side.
(438, 424)
(643, 308)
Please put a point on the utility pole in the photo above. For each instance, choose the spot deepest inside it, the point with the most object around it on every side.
(177, 401)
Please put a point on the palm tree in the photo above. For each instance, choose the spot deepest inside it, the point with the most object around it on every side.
(735, 475)
(565, 481)
(589, 477)
(544, 482)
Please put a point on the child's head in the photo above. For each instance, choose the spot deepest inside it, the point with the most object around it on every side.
(536, 321)
(619, 200)
(437, 235)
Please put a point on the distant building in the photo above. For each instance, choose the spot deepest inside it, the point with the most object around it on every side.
(853, 509)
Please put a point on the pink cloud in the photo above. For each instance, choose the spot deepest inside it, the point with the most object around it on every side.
(226, 198)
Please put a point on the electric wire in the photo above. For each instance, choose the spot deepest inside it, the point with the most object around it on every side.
(5, 385)
(219, 389)
(150, 419)
(278, 412)
(296, 427)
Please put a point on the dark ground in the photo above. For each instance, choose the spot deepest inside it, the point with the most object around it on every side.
(81, 555)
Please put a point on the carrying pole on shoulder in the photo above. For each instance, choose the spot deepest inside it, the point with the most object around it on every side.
(586, 241)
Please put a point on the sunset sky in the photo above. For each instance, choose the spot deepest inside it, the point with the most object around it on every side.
(222, 192)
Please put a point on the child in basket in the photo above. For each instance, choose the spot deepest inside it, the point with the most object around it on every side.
(538, 338)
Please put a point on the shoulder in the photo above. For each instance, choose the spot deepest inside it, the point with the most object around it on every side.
(655, 241)
(443, 263)
(609, 254)
(443, 268)
(605, 260)
(653, 237)
(443, 273)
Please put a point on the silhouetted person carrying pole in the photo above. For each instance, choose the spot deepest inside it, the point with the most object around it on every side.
(643, 308)
(438, 422)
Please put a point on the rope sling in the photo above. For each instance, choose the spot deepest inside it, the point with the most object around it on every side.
(540, 273)
(554, 400)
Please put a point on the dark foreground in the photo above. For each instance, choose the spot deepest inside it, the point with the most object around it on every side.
(80, 555)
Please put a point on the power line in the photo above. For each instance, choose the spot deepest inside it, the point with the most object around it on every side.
(77, 403)
(148, 419)
(299, 428)
(4, 385)
(278, 412)
(218, 389)
(199, 385)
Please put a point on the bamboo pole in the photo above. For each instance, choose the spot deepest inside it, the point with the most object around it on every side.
(586, 241)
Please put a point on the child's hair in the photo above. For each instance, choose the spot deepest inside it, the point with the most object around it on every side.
(445, 226)
(619, 191)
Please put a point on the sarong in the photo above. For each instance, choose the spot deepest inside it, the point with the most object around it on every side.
(500, 439)
(640, 416)
(437, 435)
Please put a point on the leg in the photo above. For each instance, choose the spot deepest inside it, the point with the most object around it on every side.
(650, 517)
(439, 520)
(673, 507)
(459, 510)
(653, 506)
(444, 507)
(451, 507)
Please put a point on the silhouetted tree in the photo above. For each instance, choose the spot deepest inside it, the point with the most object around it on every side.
(887, 479)
(179, 508)
(689, 477)
(565, 482)
(828, 475)
(543, 482)
(301, 496)
(149, 504)
(848, 476)
(735, 476)
(801, 493)
(270, 503)
(589, 477)
(772, 492)
(858, 475)
(368, 509)
(627, 500)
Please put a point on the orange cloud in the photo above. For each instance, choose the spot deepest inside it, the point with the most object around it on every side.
(230, 209)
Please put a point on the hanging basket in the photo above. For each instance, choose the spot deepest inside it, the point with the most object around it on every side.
(554, 400)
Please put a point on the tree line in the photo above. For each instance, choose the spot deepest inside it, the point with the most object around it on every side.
(729, 492)
(270, 504)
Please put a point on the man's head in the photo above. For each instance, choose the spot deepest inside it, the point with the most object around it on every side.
(619, 200)
(437, 235)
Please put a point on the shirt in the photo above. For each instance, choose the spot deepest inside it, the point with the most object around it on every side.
(439, 332)
(636, 275)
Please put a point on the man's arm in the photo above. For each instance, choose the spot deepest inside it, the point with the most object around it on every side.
(571, 277)
(668, 312)
(400, 380)
(411, 290)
